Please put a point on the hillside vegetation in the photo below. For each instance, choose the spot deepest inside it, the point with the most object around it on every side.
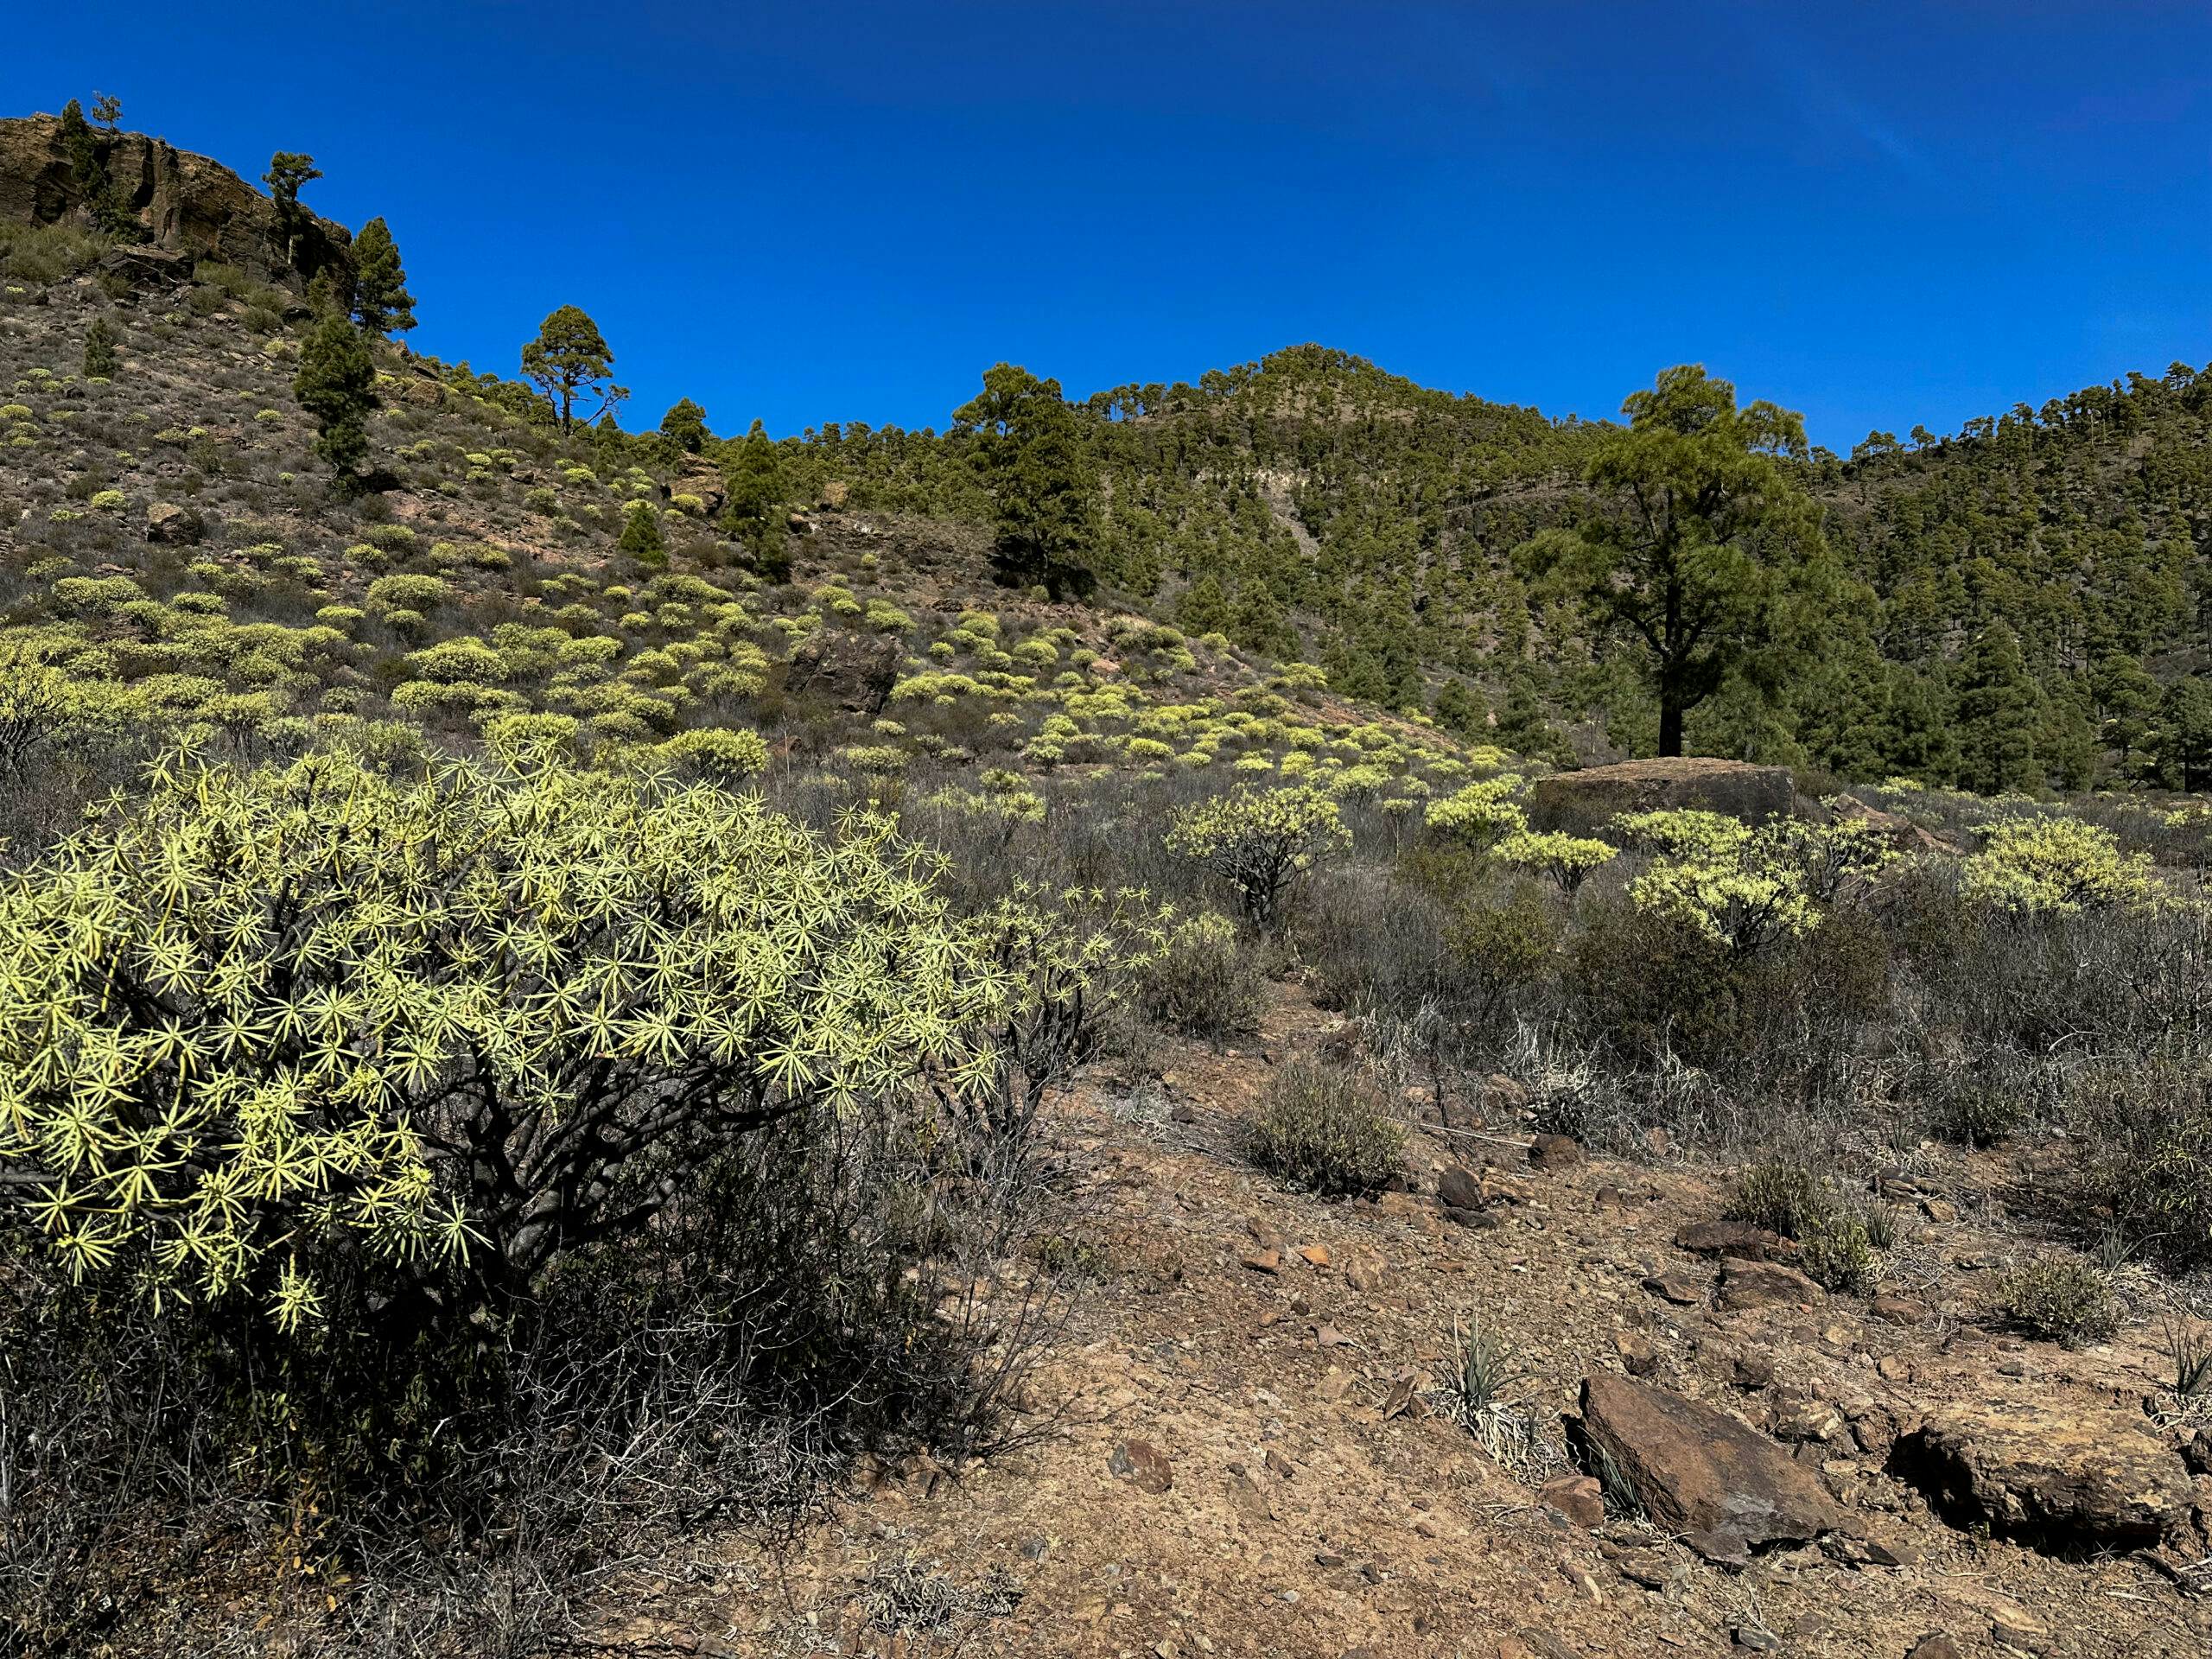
(887, 1042)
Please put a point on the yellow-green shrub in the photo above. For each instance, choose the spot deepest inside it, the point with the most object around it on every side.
(257, 1016)
(1260, 841)
(2046, 866)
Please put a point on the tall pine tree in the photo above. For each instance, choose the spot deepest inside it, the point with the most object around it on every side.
(1995, 714)
(336, 383)
(381, 301)
(1028, 447)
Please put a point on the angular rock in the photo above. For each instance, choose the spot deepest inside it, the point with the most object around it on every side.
(702, 481)
(1143, 1465)
(1555, 1152)
(856, 672)
(171, 525)
(1737, 1238)
(1459, 1188)
(1765, 1284)
(1934, 1645)
(1677, 1287)
(1728, 1489)
(1578, 1497)
(1586, 801)
(2063, 1480)
(1366, 1270)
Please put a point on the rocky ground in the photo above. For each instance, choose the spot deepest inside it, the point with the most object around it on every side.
(1254, 1450)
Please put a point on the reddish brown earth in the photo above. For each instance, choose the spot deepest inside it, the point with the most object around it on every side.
(1242, 1455)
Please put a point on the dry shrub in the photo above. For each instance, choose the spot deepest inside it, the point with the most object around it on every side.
(2061, 1298)
(1324, 1128)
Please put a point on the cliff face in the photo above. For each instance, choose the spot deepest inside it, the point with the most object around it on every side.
(184, 204)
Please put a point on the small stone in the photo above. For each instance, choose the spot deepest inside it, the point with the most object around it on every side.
(1279, 1465)
(1459, 1188)
(1897, 1310)
(1940, 1210)
(1638, 1356)
(1142, 1464)
(1677, 1287)
(1315, 1255)
(1578, 1498)
(1934, 1645)
(1893, 1368)
(1365, 1270)
(1555, 1152)
(1758, 1640)
(1263, 1261)
(1752, 1371)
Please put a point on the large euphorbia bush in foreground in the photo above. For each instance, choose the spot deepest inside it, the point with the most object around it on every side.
(252, 1023)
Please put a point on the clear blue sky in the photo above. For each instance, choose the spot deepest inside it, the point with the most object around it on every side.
(1878, 214)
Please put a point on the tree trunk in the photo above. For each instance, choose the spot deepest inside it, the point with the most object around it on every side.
(1671, 727)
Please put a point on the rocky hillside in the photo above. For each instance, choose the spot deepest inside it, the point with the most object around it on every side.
(180, 208)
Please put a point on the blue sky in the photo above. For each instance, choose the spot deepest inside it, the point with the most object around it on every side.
(1878, 214)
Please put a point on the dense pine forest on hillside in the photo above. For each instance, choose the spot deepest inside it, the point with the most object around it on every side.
(2043, 572)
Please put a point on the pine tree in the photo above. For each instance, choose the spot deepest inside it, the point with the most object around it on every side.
(336, 383)
(1522, 728)
(381, 301)
(570, 360)
(1029, 449)
(104, 203)
(1706, 548)
(641, 539)
(685, 426)
(77, 145)
(288, 172)
(1995, 714)
(755, 492)
(2185, 733)
(99, 350)
(1460, 709)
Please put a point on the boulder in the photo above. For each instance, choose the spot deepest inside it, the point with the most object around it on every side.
(1765, 1284)
(854, 671)
(1726, 1488)
(703, 480)
(1738, 1239)
(2061, 1479)
(171, 525)
(1584, 803)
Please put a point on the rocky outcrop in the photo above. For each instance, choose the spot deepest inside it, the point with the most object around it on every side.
(2063, 1480)
(184, 205)
(853, 671)
(1726, 1488)
(1583, 803)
